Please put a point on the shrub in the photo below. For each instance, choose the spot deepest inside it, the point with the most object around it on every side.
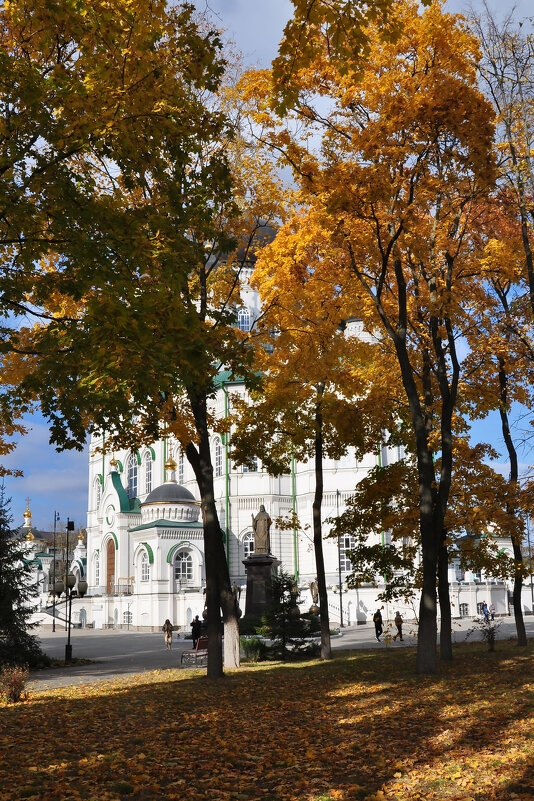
(488, 629)
(254, 648)
(13, 683)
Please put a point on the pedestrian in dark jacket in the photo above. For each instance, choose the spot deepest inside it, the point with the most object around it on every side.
(195, 630)
(398, 623)
(377, 620)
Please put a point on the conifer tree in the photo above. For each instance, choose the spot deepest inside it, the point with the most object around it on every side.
(18, 592)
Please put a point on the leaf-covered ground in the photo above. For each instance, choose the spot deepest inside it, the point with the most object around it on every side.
(361, 727)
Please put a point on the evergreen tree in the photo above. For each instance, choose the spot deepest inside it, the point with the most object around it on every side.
(17, 596)
(283, 623)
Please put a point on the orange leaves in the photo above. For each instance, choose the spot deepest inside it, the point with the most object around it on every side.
(173, 735)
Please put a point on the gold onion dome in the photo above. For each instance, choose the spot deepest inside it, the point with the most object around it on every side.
(170, 464)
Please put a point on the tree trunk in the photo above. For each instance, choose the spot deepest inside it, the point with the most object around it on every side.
(445, 634)
(514, 478)
(218, 588)
(231, 643)
(518, 587)
(326, 650)
(427, 633)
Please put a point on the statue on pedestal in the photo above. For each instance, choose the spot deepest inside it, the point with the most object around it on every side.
(261, 525)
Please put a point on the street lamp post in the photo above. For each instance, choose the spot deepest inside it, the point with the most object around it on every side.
(69, 527)
(56, 518)
(68, 588)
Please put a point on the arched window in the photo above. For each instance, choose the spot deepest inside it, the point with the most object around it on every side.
(243, 320)
(248, 544)
(148, 472)
(145, 567)
(110, 567)
(96, 570)
(347, 544)
(183, 566)
(131, 473)
(180, 467)
(218, 457)
(98, 492)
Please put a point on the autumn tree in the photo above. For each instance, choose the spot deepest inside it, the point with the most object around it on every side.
(132, 269)
(403, 154)
(507, 74)
(501, 346)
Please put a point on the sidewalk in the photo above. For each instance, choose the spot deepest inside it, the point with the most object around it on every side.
(120, 653)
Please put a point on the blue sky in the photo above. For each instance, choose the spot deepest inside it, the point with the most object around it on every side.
(58, 481)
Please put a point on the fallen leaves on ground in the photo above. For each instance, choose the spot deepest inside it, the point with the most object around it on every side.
(360, 727)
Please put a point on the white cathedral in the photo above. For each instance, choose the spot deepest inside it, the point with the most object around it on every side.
(143, 557)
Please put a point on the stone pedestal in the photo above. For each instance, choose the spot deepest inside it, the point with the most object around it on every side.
(259, 569)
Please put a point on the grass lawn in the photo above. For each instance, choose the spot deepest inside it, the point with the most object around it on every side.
(360, 727)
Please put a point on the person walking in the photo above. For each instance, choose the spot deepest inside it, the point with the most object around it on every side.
(377, 620)
(492, 611)
(398, 623)
(167, 631)
(485, 611)
(196, 627)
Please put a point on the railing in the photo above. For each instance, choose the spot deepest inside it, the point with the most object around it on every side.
(123, 588)
(335, 608)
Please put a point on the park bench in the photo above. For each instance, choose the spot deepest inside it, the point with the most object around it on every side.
(198, 655)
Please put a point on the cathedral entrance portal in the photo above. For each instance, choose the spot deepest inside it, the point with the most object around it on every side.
(110, 567)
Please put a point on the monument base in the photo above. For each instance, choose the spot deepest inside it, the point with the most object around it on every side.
(259, 569)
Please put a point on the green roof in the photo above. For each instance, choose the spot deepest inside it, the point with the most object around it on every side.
(226, 377)
(121, 492)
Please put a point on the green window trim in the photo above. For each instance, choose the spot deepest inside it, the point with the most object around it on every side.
(149, 552)
(138, 455)
(153, 452)
(170, 555)
(114, 539)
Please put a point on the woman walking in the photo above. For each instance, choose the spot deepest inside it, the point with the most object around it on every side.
(167, 631)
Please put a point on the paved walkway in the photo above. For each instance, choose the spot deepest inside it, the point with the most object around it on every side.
(119, 653)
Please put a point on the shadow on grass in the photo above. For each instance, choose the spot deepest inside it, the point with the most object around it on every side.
(360, 725)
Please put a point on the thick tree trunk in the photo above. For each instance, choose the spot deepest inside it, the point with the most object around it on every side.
(218, 588)
(445, 634)
(231, 643)
(427, 632)
(326, 650)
